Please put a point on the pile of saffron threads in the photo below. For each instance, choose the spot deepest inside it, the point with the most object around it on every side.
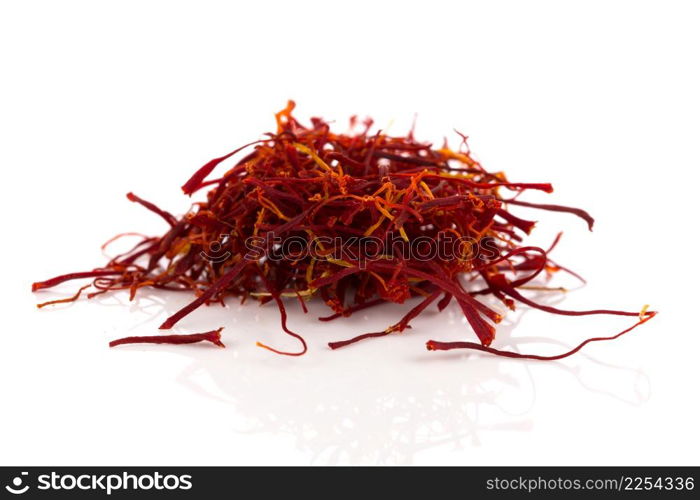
(335, 192)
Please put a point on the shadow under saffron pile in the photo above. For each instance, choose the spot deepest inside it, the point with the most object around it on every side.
(357, 219)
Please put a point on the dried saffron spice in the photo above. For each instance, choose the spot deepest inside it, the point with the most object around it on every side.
(213, 336)
(356, 219)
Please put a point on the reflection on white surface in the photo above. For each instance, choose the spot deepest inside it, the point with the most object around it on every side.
(380, 401)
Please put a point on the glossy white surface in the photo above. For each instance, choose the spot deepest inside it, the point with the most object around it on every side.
(600, 99)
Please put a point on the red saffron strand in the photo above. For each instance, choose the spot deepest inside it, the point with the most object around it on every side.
(434, 345)
(518, 296)
(64, 301)
(283, 320)
(40, 285)
(556, 208)
(398, 327)
(213, 336)
(198, 177)
(167, 217)
(364, 336)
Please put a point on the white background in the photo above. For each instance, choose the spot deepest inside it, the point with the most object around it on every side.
(102, 98)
